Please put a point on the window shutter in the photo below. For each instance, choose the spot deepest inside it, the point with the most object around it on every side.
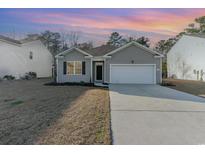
(64, 67)
(83, 67)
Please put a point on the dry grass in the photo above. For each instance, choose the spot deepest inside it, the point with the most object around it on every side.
(192, 87)
(32, 113)
(84, 122)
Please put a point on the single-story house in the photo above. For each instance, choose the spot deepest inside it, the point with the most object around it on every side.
(18, 57)
(131, 63)
(185, 60)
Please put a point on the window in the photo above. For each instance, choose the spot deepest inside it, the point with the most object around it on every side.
(74, 67)
(78, 67)
(30, 55)
(70, 69)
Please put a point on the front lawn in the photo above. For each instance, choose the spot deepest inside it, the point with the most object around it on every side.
(192, 87)
(32, 113)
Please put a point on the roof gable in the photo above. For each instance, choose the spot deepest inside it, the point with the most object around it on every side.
(9, 40)
(107, 50)
(101, 50)
(137, 45)
(20, 42)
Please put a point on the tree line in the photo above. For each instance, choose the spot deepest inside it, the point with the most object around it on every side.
(60, 41)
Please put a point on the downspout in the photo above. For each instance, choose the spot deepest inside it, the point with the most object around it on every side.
(56, 67)
(91, 70)
(160, 70)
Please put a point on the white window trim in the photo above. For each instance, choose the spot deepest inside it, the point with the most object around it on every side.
(74, 68)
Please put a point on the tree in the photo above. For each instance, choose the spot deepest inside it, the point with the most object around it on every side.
(201, 22)
(143, 41)
(85, 45)
(115, 39)
(163, 46)
(69, 39)
(130, 39)
(193, 29)
(52, 41)
(73, 38)
(64, 40)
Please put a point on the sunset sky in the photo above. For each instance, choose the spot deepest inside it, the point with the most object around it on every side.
(96, 24)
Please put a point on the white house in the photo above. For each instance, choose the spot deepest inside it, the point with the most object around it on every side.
(18, 57)
(186, 59)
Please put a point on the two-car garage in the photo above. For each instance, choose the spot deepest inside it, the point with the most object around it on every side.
(133, 73)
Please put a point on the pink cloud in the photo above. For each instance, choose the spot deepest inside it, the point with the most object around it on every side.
(95, 22)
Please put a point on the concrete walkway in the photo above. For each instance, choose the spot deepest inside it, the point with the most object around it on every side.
(151, 114)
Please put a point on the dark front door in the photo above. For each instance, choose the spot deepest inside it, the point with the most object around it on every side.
(99, 70)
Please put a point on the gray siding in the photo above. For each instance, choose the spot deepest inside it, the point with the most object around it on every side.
(125, 56)
(73, 56)
(129, 54)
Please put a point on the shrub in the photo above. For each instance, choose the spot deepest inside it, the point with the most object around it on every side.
(9, 77)
(29, 76)
(167, 83)
(174, 76)
(32, 74)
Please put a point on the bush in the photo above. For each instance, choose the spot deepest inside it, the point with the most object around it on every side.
(167, 83)
(29, 76)
(32, 74)
(174, 76)
(8, 77)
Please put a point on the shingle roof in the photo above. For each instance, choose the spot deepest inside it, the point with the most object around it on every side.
(101, 50)
(9, 39)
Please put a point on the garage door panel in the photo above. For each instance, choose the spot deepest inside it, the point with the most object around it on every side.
(138, 74)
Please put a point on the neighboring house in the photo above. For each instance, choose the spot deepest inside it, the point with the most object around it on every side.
(18, 57)
(186, 59)
(131, 63)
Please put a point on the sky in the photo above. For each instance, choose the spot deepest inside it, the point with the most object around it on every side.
(96, 24)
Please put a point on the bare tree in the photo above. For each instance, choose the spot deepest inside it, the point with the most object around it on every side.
(64, 40)
(73, 38)
(69, 39)
(86, 45)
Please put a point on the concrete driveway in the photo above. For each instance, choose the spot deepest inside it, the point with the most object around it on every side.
(152, 114)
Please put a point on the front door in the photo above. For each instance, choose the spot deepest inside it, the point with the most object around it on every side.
(99, 72)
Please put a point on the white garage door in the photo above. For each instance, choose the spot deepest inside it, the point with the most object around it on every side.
(133, 73)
